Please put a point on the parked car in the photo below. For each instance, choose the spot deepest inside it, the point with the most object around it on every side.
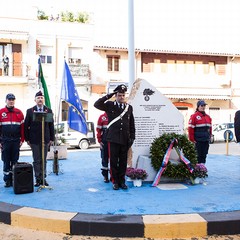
(74, 138)
(221, 131)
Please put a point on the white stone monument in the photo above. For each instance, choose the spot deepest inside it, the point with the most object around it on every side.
(154, 115)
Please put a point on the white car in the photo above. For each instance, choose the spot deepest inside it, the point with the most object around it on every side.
(220, 132)
(74, 138)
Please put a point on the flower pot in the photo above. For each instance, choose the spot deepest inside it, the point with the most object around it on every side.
(196, 180)
(137, 182)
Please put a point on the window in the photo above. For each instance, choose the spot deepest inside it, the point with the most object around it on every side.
(113, 63)
(77, 68)
(74, 61)
(190, 67)
(74, 55)
(46, 54)
(180, 66)
(46, 59)
(171, 66)
(198, 67)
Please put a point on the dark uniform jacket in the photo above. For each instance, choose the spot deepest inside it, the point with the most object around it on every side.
(33, 129)
(237, 125)
(123, 130)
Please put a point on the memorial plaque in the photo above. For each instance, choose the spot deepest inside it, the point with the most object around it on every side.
(154, 115)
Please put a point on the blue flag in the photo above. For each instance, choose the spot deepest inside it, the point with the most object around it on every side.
(76, 117)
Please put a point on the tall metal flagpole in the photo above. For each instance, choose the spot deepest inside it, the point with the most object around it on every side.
(55, 151)
(131, 48)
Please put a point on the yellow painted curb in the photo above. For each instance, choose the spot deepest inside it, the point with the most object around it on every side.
(43, 220)
(173, 226)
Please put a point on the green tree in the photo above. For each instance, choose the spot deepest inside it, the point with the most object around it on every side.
(41, 15)
(82, 17)
(67, 16)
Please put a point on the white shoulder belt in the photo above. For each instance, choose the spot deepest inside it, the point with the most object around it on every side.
(117, 118)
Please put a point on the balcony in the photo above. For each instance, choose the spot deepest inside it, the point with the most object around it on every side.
(16, 73)
(81, 73)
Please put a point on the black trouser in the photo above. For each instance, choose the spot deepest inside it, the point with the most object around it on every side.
(202, 151)
(118, 162)
(38, 161)
(10, 156)
(104, 157)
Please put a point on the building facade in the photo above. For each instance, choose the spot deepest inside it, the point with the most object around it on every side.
(182, 76)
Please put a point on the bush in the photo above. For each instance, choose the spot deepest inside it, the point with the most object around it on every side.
(159, 148)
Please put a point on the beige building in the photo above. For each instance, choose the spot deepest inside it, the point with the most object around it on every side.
(183, 75)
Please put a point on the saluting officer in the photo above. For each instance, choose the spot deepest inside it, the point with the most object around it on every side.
(120, 133)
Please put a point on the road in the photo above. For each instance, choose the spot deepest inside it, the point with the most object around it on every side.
(231, 148)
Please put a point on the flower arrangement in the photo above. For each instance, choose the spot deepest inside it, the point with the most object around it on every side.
(136, 173)
(200, 171)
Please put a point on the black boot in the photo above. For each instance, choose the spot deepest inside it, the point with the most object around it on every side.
(106, 180)
(8, 183)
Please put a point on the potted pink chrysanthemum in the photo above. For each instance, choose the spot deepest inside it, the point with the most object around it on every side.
(199, 173)
(137, 175)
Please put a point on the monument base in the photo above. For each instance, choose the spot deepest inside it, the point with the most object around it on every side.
(144, 162)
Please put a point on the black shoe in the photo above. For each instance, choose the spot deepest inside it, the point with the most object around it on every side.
(38, 183)
(115, 186)
(46, 183)
(123, 186)
(8, 184)
(106, 180)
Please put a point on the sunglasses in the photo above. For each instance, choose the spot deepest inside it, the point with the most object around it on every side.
(11, 99)
(203, 105)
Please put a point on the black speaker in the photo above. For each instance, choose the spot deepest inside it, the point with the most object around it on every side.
(22, 178)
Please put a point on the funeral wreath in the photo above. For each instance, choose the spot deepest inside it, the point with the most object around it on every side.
(174, 170)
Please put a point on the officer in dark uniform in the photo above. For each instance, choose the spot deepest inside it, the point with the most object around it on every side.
(120, 133)
(33, 137)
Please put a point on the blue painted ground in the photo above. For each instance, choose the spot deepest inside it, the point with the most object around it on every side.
(80, 189)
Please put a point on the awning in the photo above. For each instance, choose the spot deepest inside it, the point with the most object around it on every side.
(13, 35)
(186, 96)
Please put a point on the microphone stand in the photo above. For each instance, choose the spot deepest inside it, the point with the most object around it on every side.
(42, 116)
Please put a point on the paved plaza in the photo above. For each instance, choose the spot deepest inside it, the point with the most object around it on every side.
(80, 192)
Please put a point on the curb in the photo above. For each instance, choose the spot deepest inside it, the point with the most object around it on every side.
(148, 226)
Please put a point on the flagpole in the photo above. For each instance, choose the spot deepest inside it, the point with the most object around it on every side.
(131, 48)
(55, 150)
(59, 107)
